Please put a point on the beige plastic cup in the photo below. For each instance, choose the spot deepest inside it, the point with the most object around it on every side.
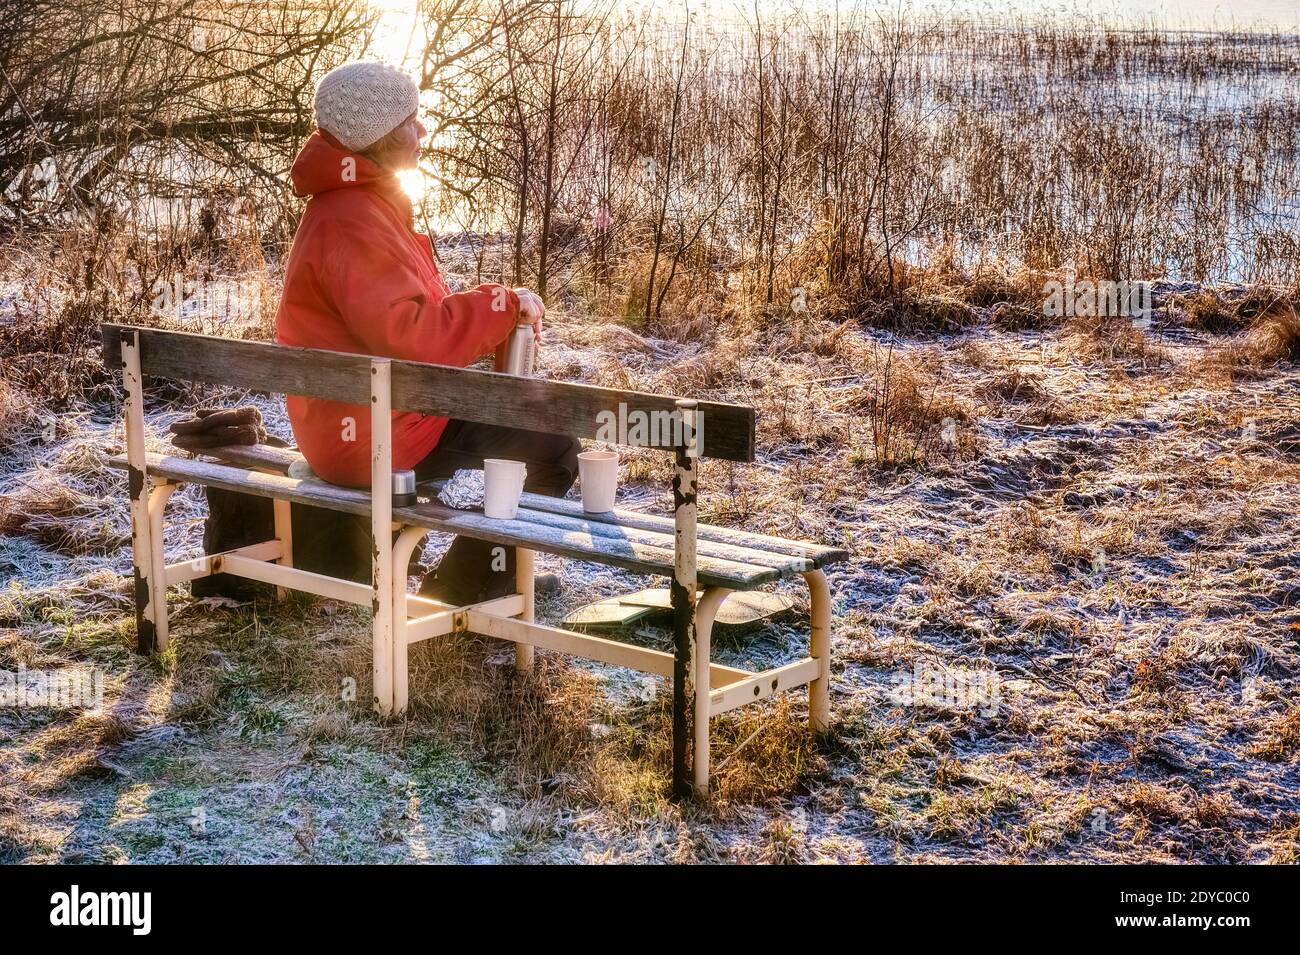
(503, 483)
(599, 473)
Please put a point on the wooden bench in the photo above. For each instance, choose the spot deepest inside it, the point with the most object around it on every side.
(705, 563)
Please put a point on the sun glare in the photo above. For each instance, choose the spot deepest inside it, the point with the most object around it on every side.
(414, 183)
(396, 39)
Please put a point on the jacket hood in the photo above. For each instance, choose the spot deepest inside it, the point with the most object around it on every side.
(322, 166)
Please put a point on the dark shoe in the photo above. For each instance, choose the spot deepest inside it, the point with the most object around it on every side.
(544, 585)
(443, 592)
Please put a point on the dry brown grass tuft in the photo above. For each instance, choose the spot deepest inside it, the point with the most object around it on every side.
(689, 309)
(1018, 318)
(1154, 674)
(1207, 311)
(540, 727)
(1112, 339)
(59, 517)
(1212, 810)
(914, 420)
(18, 411)
(1015, 385)
(1279, 740)
(1275, 336)
(783, 844)
(927, 313)
(994, 287)
(764, 752)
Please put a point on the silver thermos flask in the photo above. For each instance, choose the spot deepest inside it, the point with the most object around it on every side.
(519, 351)
(404, 494)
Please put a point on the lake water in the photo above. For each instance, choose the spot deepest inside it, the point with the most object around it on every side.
(1282, 15)
(1175, 14)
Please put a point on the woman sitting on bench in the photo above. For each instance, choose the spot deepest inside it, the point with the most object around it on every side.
(360, 279)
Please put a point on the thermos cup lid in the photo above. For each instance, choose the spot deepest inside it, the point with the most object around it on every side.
(404, 488)
(403, 482)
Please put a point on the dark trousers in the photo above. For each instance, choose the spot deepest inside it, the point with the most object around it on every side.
(466, 573)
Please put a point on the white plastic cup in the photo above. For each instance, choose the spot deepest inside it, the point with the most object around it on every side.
(503, 483)
(599, 473)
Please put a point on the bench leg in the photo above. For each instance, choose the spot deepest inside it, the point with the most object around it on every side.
(525, 562)
(147, 566)
(407, 541)
(705, 611)
(284, 534)
(381, 531)
(159, 495)
(150, 566)
(146, 637)
(683, 593)
(819, 690)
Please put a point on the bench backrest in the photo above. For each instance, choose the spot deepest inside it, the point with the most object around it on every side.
(535, 404)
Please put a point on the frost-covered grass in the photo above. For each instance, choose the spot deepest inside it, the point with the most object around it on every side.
(1100, 540)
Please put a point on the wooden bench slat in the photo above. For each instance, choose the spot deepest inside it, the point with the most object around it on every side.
(816, 555)
(263, 456)
(637, 556)
(534, 404)
(258, 457)
(786, 564)
(631, 555)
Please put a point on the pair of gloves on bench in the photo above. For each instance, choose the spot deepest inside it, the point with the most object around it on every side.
(216, 427)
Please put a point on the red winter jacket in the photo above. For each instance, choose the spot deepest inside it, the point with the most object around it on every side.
(361, 280)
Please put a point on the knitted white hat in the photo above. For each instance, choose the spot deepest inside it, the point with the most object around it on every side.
(359, 103)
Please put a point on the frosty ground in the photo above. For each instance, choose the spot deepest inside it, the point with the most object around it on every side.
(1086, 541)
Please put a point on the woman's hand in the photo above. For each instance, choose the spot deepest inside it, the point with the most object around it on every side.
(532, 307)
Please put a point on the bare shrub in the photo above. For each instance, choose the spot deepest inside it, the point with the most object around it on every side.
(912, 421)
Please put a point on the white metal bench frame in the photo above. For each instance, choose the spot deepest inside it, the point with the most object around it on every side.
(401, 619)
